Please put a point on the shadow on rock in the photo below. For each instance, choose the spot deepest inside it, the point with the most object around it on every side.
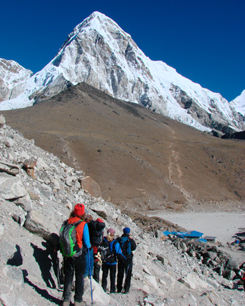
(16, 259)
(40, 291)
(45, 259)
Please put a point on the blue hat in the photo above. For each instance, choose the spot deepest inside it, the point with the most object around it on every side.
(126, 230)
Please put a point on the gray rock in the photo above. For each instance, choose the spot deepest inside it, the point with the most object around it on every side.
(11, 299)
(7, 250)
(232, 264)
(2, 121)
(41, 165)
(39, 224)
(183, 246)
(229, 274)
(24, 202)
(160, 258)
(14, 274)
(46, 191)
(19, 218)
(212, 255)
(213, 283)
(11, 187)
(193, 281)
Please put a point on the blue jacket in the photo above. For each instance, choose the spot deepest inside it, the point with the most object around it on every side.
(86, 238)
(117, 250)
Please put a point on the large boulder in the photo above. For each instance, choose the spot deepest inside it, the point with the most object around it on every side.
(11, 187)
(99, 296)
(39, 224)
(91, 187)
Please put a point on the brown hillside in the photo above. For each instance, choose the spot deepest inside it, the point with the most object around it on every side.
(141, 160)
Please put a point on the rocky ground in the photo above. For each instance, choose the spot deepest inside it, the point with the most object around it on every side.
(37, 192)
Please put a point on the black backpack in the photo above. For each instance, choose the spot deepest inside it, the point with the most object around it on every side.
(96, 232)
(68, 241)
(107, 255)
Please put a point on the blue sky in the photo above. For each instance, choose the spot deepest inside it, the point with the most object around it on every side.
(204, 40)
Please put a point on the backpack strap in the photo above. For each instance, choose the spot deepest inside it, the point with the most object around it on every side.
(79, 232)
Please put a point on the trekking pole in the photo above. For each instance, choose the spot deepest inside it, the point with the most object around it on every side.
(58, 271)
(91, 289)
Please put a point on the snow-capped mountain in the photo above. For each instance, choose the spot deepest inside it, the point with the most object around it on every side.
(101, 54)
(239, 103)
(12, 79)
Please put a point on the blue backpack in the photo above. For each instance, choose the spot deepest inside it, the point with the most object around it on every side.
(125, 245)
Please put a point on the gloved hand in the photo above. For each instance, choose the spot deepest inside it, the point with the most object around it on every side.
(98, 256)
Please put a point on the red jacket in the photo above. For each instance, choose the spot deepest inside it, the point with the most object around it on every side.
(79, 230)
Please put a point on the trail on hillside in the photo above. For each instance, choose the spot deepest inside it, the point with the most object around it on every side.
(174, 169)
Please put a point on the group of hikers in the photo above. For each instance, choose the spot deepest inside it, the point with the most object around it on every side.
(85, 250)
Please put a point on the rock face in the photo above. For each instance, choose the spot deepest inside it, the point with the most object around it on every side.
(101, 54)
(30, 220)
(12, 79)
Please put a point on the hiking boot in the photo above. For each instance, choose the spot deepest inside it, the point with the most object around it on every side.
(66, 303)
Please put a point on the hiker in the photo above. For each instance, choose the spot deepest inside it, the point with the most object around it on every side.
(76, 262)
(110, 250)
(96, 235)
(97, 264)
(127, 245)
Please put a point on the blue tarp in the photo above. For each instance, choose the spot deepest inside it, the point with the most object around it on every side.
(189, 234)
(202, 240)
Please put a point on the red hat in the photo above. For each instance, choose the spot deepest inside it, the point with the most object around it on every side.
(79, 209)
(100, 220)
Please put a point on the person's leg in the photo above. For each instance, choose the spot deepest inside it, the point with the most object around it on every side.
(127, 283)
(96, 275)
(120, 273)
(80, 265)
(113, 269)
(69, 273)
(104, 276)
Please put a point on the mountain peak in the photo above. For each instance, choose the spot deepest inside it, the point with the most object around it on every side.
(101, 54)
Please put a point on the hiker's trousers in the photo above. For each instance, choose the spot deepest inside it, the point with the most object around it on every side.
(96, 275)
(75, 265)
(106, 269)
(127, 269)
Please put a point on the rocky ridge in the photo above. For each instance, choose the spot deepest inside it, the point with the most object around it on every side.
(37, 192)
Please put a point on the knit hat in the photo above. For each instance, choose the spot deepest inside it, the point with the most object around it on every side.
(111, 231)
(100, 220)
(79, 210)
(126, 230)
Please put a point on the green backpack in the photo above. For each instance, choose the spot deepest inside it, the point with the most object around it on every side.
(68, 241)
